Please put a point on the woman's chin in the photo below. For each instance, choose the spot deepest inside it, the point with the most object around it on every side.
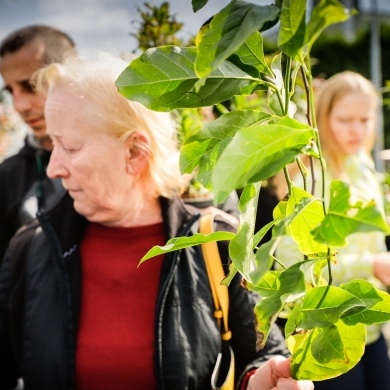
(85, 211)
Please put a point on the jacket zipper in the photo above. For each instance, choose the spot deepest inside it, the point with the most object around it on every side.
(64, 285)
(186, 228)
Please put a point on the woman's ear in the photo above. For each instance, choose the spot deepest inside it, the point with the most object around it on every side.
(137, 153)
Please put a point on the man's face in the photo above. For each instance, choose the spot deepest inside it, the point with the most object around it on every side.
(17, 69)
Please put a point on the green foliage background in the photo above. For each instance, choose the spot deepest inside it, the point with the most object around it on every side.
(327, 60)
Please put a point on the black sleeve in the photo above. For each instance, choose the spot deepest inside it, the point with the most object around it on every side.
(4, 232)
(8, 368)
(12, 300)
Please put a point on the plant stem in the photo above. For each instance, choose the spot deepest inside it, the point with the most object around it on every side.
(288, 180)
(287, 83)
(303, 171)
(308, 81)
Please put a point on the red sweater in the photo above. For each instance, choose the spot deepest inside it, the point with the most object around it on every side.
(116, 332)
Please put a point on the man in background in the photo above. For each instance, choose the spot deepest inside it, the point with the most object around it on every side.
(24, 186)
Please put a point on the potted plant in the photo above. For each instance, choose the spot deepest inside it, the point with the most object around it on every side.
(244, 147)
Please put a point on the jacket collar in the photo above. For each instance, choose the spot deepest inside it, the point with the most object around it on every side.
(69, 226)
(177, 217)
(29, 151)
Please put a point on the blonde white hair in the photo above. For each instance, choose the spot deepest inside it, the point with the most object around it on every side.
(109, 111)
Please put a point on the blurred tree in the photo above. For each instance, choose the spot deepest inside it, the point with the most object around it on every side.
(157, 27)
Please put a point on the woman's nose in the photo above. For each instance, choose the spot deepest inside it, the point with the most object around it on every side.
(357, 126)
(56, 168)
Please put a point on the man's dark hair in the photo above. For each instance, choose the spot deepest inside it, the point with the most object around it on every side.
(58, 45)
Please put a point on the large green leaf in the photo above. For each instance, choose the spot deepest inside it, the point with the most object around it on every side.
(265, 254)
(324, 14)
(262, 232)
(208, 161)
(203, 149)
(268, 285)
(250, 56)
(228, 31)
(163, 79)
(377, 304)
(344, 218)
(178, 243)
(257, 153)
(328, 345)
(200, 145)
(323, 306)
(291, 36)
(292, 320)
(264, 259)
(308, 218)
(290, 281)
(326, 353)
(240, 247)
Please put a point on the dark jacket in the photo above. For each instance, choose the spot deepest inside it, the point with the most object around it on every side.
(40, 296)
(22, 180)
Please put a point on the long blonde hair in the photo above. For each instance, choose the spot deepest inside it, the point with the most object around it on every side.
(109, 111)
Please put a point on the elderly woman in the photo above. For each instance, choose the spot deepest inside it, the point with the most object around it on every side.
(75, 310)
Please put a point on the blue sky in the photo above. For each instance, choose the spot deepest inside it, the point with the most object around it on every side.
(99, 25)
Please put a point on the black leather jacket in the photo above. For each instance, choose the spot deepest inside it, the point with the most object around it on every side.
(40, 297)
(24, 187)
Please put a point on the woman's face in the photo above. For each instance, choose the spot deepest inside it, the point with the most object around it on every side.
(91, 162)
(352, 122)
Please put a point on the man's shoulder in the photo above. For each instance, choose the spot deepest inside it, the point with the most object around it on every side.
(23, 236)
(18, 161)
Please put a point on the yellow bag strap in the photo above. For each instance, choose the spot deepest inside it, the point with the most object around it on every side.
(216, 274)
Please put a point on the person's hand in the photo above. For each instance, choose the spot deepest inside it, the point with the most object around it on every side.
(381, 267)
(275, 375)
